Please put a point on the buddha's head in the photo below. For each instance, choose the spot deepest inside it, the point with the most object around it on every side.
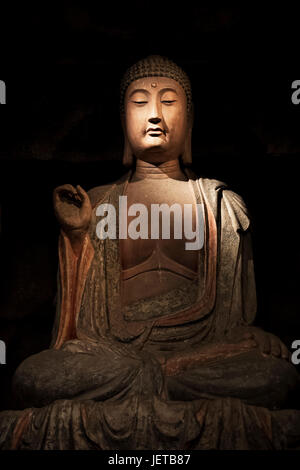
(156, 112)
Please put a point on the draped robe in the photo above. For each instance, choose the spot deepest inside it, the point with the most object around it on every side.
(161, 373)
(221, 300)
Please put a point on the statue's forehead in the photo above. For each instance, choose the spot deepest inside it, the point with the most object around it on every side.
(155, 84)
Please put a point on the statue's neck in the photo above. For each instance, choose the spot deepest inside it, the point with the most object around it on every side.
(170, 169)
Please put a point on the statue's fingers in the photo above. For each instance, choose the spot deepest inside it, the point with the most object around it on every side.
(249, 343)
(275, 346)
(248, 334)
(265, 343)
(86, 206)
(64, 189)
(285, 353)
(81, 192)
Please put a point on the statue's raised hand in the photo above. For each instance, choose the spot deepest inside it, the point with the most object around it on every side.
(73, 209)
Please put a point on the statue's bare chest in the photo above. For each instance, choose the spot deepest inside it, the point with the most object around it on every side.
(163, 244)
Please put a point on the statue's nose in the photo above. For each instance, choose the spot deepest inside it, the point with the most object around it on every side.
(155, 120)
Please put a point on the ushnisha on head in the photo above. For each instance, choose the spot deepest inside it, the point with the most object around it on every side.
(156, 111)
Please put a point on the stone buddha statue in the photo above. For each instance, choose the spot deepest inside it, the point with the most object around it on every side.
(153, 345)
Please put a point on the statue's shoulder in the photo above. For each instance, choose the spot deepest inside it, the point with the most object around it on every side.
(223, 190)
(237, 209)
(215, 191)
(212, 185)
(209, 185)
(98, 194)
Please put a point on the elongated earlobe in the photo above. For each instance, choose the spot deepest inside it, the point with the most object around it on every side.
(187, 153)
(128, 159)
(127, 154)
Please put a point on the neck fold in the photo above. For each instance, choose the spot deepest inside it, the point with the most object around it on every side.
(170, 169)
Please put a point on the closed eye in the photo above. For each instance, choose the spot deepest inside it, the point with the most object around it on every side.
(140, 102)
(168, 102)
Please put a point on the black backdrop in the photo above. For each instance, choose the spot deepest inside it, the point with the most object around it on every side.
(62, 68)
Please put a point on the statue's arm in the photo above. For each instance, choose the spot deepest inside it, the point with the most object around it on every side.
(73, 211)
(244, 292)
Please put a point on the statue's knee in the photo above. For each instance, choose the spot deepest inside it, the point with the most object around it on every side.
(30, 378)
(281, 372)
(282, 381)
(57, 374)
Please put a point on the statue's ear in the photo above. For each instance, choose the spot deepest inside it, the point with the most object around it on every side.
(187, 153)
(127, 153)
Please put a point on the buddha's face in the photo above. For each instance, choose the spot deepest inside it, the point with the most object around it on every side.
(156, 120)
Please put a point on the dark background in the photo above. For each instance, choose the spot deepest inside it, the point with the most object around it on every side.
(62, 67)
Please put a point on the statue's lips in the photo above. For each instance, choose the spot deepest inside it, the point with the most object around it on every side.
(155, 132)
